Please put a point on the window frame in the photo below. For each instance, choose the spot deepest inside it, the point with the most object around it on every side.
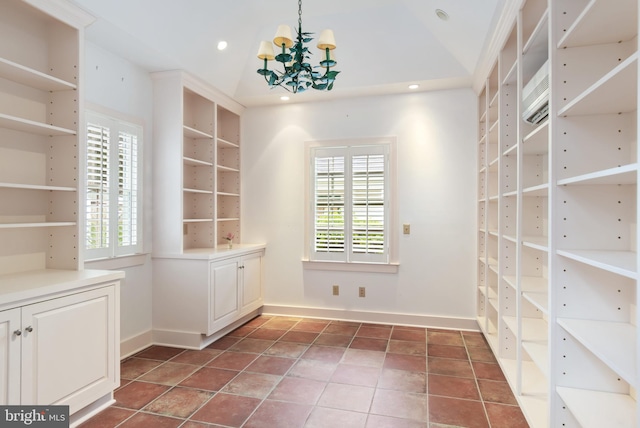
(116, 122)
(388, 263)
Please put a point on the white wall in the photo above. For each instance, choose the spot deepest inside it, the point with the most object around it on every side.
(116, 84)
(436, 134)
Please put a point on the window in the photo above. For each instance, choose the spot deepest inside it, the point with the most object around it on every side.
(350, 209)
(113, 210)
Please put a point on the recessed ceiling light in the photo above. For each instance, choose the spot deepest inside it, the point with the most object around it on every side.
(284, 98)
(442, 14)
(222, 45)
(414, 86)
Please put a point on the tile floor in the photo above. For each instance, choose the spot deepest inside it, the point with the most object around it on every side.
(284, 372)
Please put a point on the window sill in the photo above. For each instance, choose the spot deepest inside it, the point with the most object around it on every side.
(119, 262)
(351, 267)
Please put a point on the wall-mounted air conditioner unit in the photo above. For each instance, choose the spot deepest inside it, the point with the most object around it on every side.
(535, 96)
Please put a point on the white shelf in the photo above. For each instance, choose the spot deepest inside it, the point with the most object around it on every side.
(223, 219)
(539, 190)
(227, 169)
(614, 93)
(612, 342)
(537, 141)
(37, 187)
(626, 174)
(620, 22)
(189, 190)
(197, 220)
(33, 78)
(538, 299)
(539, 36)
(196, 162)
(538, 242)
(37, 225)
(33, 127)
(619, 262)
(595, 409)
(195, 133)
(224, 143)
(533, 329)
(539, 353)
(228, 194)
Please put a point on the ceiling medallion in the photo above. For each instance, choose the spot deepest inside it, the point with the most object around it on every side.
(299, 75)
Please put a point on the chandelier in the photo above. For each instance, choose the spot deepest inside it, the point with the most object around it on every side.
(299, 75)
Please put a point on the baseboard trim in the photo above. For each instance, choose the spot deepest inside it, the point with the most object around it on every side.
(414, 320)
(91, 410)
(135, 344)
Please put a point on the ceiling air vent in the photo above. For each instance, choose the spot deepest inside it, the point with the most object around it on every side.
(535, 96)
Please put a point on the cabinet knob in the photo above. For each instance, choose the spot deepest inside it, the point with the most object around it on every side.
(29, 329)
(17, 333)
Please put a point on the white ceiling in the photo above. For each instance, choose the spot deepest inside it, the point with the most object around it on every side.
(383, 45)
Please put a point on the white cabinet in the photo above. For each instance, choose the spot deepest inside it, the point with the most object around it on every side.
(198, 295)
(60, 345)
(558, 213)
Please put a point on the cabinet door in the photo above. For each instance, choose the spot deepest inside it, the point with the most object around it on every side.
(223, 294)
(251, 282)
(9, 357)
(69, 349)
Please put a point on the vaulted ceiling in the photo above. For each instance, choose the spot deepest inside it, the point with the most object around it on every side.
(382, 45)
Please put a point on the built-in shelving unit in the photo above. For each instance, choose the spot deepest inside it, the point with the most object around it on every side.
(558, 213)
(198, 156)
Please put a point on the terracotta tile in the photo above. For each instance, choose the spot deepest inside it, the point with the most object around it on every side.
(313, 369)
(356, 375)
(476, 340)
(405, 347)
(342, 329)
(400, 404)
(457, 412)
(271, 365)
(449, 338)
(379, 421)
(198, 358)
(489, 371)
(413, 335)
(481, 354)
(324, 353)
(267, 334)
(123, 383)
(299, 337)
(298, 390)
(286, 349)
(279, 324)
(346, 323)
(311, 326)
(347, 397)
(159, 353)
(209, 378)
(374, 332)
(277, 414)
(496, 392)
(369, 344)
(179, 402)
(224, 343)
(169, 373)
(191, 424)
(449, 367)
(145, 420)
(256, 385)
(258, 321)
(502, 416)
(409, 327)
(456, 387)
(412, 363)
(338, 340)
(135, 367)
(110, 417)
(324, 417)
(379, 326)
(256, 346)
(402, 380)
(241, 331)
(136, 395)
(362, 357)
(446, 351)
(237, 410)
(232, 360)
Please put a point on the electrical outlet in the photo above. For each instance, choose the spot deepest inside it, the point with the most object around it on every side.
(336, 290)
(406, 229)
(361, 292)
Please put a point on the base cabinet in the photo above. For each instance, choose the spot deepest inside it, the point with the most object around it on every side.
(196, 295)
(61, 351)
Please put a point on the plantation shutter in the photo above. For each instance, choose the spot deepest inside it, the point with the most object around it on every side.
(97, 202)
(329, 205)
(127, 192)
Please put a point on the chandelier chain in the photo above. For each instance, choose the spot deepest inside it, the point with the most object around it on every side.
(299, 15)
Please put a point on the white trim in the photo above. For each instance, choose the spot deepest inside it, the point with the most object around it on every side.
(414, 320)
(119, 262)
(135, 344)
(351, 266)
